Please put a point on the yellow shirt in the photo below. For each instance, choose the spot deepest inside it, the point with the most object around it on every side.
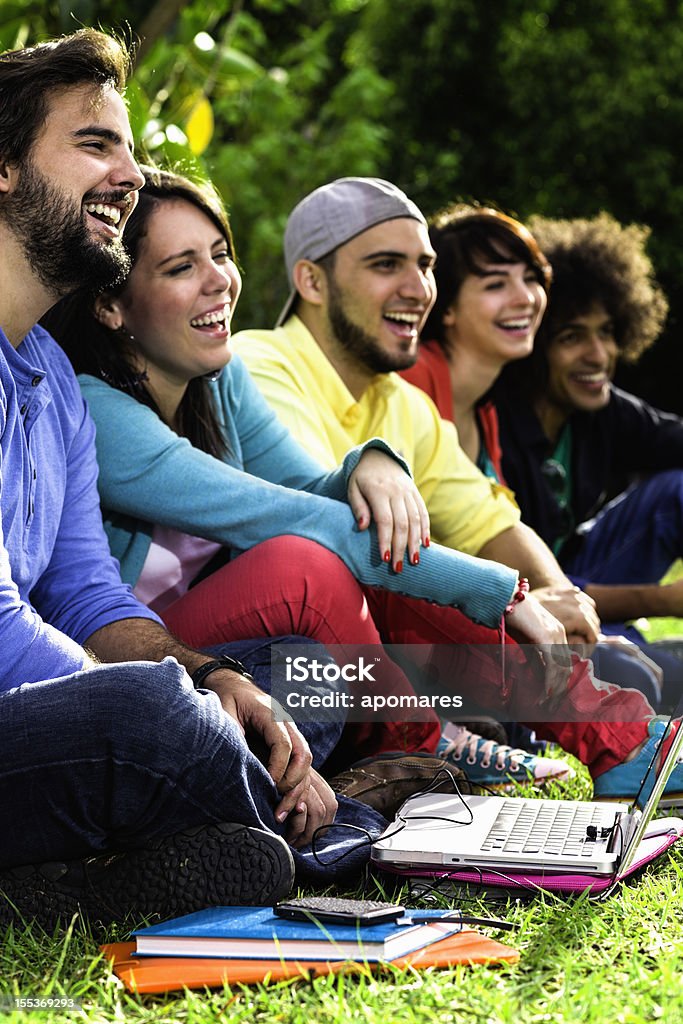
(466, 509)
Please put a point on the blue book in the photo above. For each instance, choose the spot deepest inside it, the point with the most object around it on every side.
(257, 933)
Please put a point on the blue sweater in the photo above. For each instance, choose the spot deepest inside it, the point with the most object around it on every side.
(268, 486)
(58, 581)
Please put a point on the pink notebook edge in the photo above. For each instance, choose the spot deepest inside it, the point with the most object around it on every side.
(651, 847)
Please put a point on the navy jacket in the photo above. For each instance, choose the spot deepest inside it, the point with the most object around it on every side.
(609, 448)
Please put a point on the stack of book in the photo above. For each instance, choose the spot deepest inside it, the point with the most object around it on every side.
(248, 944)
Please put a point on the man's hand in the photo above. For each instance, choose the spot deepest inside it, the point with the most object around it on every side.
(575, 610)
(524, 550)
(289, 756)
(285, 750)
(315, 807)
(530, 623)
(380, 489)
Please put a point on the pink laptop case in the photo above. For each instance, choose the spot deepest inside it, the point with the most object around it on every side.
(650, 848)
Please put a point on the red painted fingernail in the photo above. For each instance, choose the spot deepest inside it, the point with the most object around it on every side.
(387, 556)
(416, 559)
(399, 567)
(427, 541)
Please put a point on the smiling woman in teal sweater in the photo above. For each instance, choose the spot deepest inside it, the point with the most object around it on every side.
(266, 486)
(186, 442)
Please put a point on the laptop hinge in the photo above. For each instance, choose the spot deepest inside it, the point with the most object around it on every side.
(624, 826)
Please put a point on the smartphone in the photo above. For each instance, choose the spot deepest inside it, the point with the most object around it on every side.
(333, 910)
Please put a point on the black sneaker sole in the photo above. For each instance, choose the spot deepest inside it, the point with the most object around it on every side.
(212, 865)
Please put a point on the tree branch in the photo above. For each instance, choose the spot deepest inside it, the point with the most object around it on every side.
(156, 24)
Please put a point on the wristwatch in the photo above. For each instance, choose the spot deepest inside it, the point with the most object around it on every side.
(223, 661)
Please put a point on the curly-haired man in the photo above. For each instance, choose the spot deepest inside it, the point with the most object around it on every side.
(597, 471)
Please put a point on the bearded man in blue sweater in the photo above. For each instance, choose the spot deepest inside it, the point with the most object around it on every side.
(117, 774)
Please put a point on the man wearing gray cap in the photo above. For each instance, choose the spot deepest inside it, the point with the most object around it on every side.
(360, 267)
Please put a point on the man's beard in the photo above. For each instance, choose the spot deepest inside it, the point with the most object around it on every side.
(53, 235)
(357, 342)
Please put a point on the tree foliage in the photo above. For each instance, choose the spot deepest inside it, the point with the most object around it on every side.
(563, 107)
(557, 107)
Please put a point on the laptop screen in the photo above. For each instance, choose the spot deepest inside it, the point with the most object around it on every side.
(667, 766)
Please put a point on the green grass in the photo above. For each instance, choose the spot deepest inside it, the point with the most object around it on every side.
(614, 962)
(618, 961)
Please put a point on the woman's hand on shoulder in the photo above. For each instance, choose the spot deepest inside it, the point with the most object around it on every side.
(381, 491)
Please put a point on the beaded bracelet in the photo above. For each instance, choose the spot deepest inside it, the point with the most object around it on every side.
(519, 595)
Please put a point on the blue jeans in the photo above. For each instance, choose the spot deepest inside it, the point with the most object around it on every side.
(634, 539)
(124, 754)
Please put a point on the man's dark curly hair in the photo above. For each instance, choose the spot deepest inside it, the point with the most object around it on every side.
(601, 261)
(594, 260)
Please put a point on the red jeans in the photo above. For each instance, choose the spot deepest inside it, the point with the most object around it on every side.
(618, 717)
(289, 585)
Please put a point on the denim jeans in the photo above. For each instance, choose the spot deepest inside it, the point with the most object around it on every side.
(124, 754)
(635, 539)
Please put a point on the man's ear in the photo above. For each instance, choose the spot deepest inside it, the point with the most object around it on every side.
(8, 175)
(310, 281)
(107, 310)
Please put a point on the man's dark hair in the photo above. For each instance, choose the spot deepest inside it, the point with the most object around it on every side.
(28, 77)
(110, 355)
(595, 261)
(600, 261)
(465, 237)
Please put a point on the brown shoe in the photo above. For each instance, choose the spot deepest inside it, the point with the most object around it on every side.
(386, 781)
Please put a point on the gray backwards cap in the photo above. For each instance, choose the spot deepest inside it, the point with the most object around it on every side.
(334, 214)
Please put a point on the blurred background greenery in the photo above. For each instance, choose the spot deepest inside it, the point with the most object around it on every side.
(563, 107)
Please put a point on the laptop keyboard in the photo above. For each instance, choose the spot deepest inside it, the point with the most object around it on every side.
(546, 827)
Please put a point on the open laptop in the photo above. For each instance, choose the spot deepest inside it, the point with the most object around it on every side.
(450, 831)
